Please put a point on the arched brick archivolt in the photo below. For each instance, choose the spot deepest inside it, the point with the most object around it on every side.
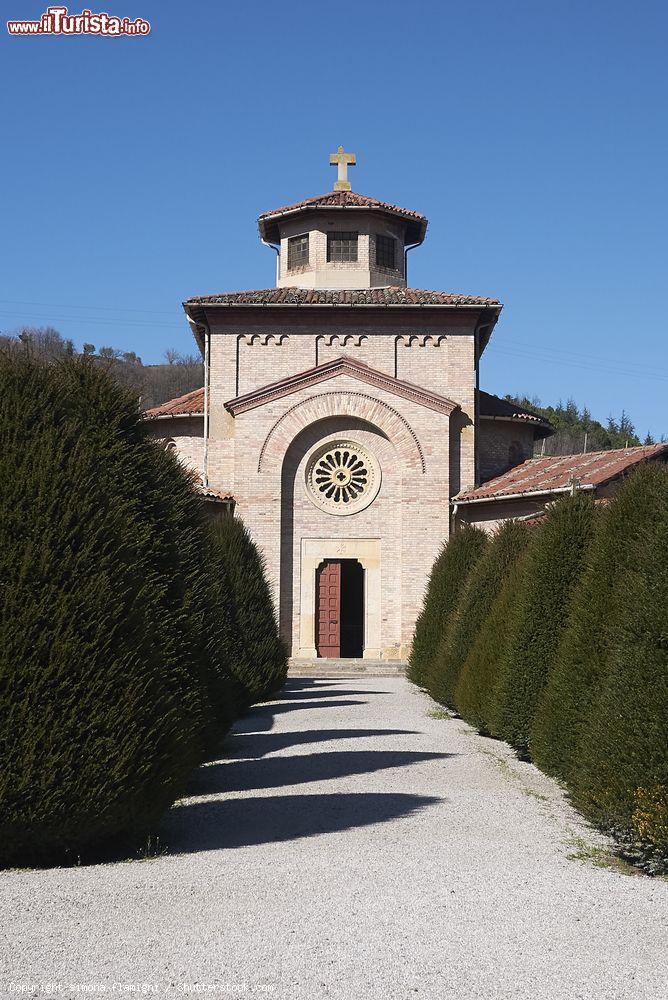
(332, 404)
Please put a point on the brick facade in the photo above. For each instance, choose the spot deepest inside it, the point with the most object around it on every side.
(406, 397)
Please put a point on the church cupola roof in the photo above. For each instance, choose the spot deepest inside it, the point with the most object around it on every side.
(341, 239)
(341, 201)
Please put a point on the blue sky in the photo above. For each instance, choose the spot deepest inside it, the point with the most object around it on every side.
(532, 134)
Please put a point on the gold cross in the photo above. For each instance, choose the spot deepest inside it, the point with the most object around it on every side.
(342, 160)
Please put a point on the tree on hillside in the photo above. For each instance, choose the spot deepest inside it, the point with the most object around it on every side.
(152, 384)
(571, 426)
(448, 576)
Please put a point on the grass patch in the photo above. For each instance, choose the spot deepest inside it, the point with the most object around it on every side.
(600, 857)
(439, 713)
(535, 795)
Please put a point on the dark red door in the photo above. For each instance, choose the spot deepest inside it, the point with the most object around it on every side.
(328, 614)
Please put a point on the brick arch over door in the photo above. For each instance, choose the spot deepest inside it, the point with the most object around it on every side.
(332, 404)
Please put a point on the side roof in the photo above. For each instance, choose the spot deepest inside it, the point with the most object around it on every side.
(554, 473)
(189, 405)
(495, 408)
(192, 405)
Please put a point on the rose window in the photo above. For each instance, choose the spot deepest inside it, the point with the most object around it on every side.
(342, 477)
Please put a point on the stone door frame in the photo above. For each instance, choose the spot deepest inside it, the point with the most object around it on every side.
(313, 551)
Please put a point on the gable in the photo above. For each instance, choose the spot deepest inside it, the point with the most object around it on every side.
(332, 369)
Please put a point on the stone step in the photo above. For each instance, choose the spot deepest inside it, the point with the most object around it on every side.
(356, 667)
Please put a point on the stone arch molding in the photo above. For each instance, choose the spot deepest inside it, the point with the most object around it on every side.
(336, 404)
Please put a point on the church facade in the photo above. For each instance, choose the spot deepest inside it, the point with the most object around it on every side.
(340, 414)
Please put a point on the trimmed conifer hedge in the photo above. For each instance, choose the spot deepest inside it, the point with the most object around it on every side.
(584, 653)
(260, 663)
(559, 645)
(475, 694)
(105, 659)
(448, 576)
(539, 615)
(619, 777)
(472, 610)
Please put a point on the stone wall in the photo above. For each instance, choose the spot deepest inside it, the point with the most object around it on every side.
(186, 433)
(501, 445)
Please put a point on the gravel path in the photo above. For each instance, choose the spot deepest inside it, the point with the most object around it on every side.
(353, 846)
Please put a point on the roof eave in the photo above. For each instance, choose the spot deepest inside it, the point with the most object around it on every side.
(537, 425)
(342, 305)
(520, 496)
(172, 416)
(268, 225)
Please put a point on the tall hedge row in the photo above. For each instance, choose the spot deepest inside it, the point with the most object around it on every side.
(539, 615)
(453, 565)
(585, 651)
(565, 654)
(260, 662)
(115, 669)
(619, 776)
(475, 693)
(477, 598)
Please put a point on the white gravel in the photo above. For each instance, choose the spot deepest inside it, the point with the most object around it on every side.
(352, 847)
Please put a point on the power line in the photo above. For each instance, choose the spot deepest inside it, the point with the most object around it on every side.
(93, 321)
(518, 344)
(602, 367)
(63, 305)
(571, 359)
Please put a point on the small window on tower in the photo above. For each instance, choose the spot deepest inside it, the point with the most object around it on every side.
(297, 252)
(385, 246)
(342, 247)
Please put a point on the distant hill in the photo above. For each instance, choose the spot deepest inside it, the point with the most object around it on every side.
(152, 383)
(182, 373)
(577, 431)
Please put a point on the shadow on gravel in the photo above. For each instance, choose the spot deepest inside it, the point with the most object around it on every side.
(260, 717)
(277, 708)
(324, 693)
(208, 826)
(260, 744)
(274, 772)
(308, 682)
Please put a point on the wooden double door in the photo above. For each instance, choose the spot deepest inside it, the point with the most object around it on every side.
(339, 619)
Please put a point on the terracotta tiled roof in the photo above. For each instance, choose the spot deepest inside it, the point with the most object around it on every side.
(208, 492)
(389, 296)
(192, 404)
(494, 406)
(553, 473)
(341, 199)
(217, 496)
